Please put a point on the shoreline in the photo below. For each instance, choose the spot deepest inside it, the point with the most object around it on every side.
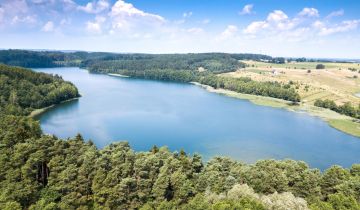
(118, 75)
(340, 122)
(37, 112)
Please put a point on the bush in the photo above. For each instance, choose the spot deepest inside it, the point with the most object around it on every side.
(320, 66)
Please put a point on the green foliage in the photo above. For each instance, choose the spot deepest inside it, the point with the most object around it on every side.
(22, 90)
(164, 75)
(248, 86)
(213, 62)
(340, 202)
(320, 66)
(345, 109)
(332, 178)
(278, 60)
(45, 59)
(43, 172)
(98, 61)
(355, 170)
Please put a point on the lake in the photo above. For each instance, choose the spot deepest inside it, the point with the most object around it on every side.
(147, 113)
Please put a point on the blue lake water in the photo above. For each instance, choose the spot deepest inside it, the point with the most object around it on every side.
(147, 113)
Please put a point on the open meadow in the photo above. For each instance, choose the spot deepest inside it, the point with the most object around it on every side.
(339, 82)
(336, 82)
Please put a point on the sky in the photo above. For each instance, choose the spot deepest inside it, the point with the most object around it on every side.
(289, 28)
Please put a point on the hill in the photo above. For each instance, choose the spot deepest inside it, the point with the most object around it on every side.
(23, 90)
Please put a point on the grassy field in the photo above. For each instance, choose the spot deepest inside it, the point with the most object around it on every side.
(336, 82)
(303, 65)
(346, 126)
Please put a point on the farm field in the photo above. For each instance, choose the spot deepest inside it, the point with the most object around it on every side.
(335, 82)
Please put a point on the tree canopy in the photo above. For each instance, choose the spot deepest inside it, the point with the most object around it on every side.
(345, 109)
(23, 90)
(43, 172)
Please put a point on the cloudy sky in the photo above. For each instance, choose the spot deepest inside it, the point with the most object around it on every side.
(318, 28)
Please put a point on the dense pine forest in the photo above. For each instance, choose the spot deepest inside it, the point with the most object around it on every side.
(40, 171)
(43, 172)
(213, 62)
(22, 90)
(217, 62)
(44, 59)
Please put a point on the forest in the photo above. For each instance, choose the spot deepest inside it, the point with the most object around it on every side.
(43, 172)
(39, 171)
(45, 59)
(216, 62)
(213, 62)
(345, 109)
(249, 86)
(22, 90)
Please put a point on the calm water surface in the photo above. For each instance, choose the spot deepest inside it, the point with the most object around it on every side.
(148, 113)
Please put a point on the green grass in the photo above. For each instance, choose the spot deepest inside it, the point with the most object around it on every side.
(258, 71)
(259, 100)
(307, 65)
(346, 126)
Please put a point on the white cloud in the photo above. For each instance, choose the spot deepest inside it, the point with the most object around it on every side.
(276, 16)
(187, 14)
(15, 7)
(125, 16)
(229, 32)
(336, 14)
(344, 26)
(255, 27)
(10, 9)
(195, 30)
(95, 26)
(318, 24)
(309, 12)
(275, 21)
(69, 5)
(48, 27)
(278, 22)
(30, 19)
(301, 27)
(95, 7)
(247, 10)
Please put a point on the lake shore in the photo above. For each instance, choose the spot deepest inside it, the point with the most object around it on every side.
(38, 112)
(340, 122)
(118, 75)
